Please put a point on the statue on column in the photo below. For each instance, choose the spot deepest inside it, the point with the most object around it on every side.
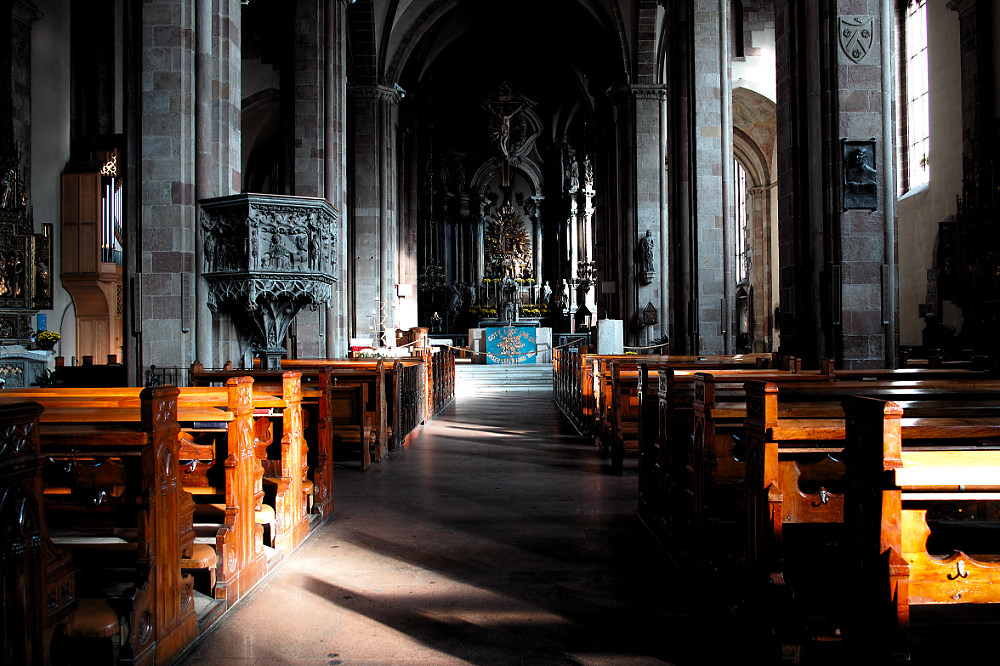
(454, 304)
(644, 258)
(546, 295)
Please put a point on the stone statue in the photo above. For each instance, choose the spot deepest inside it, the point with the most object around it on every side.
(8, 186)
(588, 173)
(546, 294)
(470, 296)
(459, 175)
(644, 254)
(564, 296)
(300, 256)
(454, 301)
(275, 254)
(210, 260)
(574, 175)
(315, 256)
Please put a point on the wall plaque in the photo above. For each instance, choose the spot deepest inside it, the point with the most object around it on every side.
(860, 175)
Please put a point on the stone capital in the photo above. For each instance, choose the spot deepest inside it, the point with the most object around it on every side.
(637, 92)
(382, 93)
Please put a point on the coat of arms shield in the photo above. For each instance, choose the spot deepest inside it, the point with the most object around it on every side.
(856, 37)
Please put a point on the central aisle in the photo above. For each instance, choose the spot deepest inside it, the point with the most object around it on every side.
(497, 537)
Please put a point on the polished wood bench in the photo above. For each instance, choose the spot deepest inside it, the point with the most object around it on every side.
(891, 487)
(124, 516)
(616, 381)
(667, 458)
(404, 386)
(315, 405)
(222, 470)
(798, 433)
(205, 413)
(38, 577)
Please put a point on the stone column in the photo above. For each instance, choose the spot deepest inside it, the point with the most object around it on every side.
(168, 213)
(375, 201)
(651, 203)
(335, 158)
(23, 15)
(218, 105)
(308, 151)
(760, 258)
(536, 220)
(836, 265)
(710, 205)
(979, 136)
(480, 239)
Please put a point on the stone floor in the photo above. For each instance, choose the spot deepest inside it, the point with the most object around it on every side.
(497, 537)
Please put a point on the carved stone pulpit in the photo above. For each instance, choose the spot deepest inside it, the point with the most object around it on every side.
(266, 257)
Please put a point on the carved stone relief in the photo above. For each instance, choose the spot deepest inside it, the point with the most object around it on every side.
(265, 258)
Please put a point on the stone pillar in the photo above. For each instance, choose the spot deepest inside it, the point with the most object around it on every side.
(218, 105)
(760, 258)
(651, 204)
(168, 212)
(23, 15)
(480, 240)
(375, 201)
(837, 265)
(308, 150)
(335, 157)
(710, 206)
(979, 135)
(536, 220)
(309, 127)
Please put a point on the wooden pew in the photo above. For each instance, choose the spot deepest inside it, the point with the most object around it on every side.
(673, 458)
(615, 426)
(317, 429)
(787, 431)
(239, 538)
(143, 577)
(285, 468)
(407, 388)
(37, 577)
(890, 488)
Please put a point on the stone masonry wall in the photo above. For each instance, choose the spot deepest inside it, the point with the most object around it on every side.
(168, 174)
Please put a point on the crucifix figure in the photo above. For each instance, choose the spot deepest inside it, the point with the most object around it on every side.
(504, 109)
(503, 131)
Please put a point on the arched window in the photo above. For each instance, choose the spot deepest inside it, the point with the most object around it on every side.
(912, 95)
(741, 246)
(743, 221)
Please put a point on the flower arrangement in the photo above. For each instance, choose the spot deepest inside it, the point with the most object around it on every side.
(482, 311)
(46, 339)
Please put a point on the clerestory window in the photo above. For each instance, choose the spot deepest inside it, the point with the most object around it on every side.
(912, 96)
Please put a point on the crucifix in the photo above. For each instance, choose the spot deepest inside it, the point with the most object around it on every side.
(504, 108)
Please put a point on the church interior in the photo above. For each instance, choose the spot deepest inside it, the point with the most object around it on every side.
(361, 204)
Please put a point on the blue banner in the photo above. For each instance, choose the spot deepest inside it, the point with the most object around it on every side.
(510, 345)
